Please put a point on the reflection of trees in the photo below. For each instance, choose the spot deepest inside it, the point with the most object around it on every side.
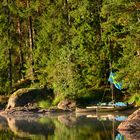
(5, 132)
(3, 123)
(81, 129)
(62, 127)
(68, 120)
(30, 128)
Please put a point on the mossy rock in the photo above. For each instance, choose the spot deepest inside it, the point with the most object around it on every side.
(25, 96)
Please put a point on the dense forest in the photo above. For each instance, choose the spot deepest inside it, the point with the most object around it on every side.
(69, 46)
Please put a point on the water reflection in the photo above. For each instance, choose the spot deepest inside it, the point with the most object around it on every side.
(119, 137)
(24, 128)
(61, 127)
(131, 135)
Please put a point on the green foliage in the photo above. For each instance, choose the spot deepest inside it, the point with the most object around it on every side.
(94, 96)
(63, 74)
(57, 99)
(135, 98)
(44, 104)
(120, 37)
(69, 63)
(69, 46)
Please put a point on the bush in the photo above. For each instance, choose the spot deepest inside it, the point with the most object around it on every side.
(44, 104)
(135, 98)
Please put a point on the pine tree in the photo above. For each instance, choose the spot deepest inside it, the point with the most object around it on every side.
(68, 42)
(16, 57)
(120, 36)
(129, 63)
(6, 47)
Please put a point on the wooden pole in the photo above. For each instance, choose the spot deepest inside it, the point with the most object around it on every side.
(112, 92)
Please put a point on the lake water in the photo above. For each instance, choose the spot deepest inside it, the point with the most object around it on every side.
(62, 127)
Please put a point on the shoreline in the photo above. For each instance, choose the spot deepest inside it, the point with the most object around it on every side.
(24, 111)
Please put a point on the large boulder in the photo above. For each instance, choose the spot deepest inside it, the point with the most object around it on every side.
(26, 96)
(132, 123)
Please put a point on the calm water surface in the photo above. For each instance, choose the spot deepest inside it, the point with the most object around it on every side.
(62, 127)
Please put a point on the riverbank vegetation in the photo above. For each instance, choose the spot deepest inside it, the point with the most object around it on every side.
(69, 46)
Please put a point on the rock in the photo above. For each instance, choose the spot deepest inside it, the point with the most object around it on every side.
(26, 97)
(130, 127)
(67, 104)
(132, 123)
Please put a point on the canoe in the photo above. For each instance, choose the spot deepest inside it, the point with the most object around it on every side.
(104, 108)
(84, 110)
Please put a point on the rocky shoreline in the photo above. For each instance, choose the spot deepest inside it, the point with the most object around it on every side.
(31, 112)
(132, 123)
(22, 104)
(130, 128)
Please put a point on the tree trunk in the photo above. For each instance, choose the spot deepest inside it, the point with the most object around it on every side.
(9, 52)
(20, 48)
(10, 68)
(31, 42)
(98, 25)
